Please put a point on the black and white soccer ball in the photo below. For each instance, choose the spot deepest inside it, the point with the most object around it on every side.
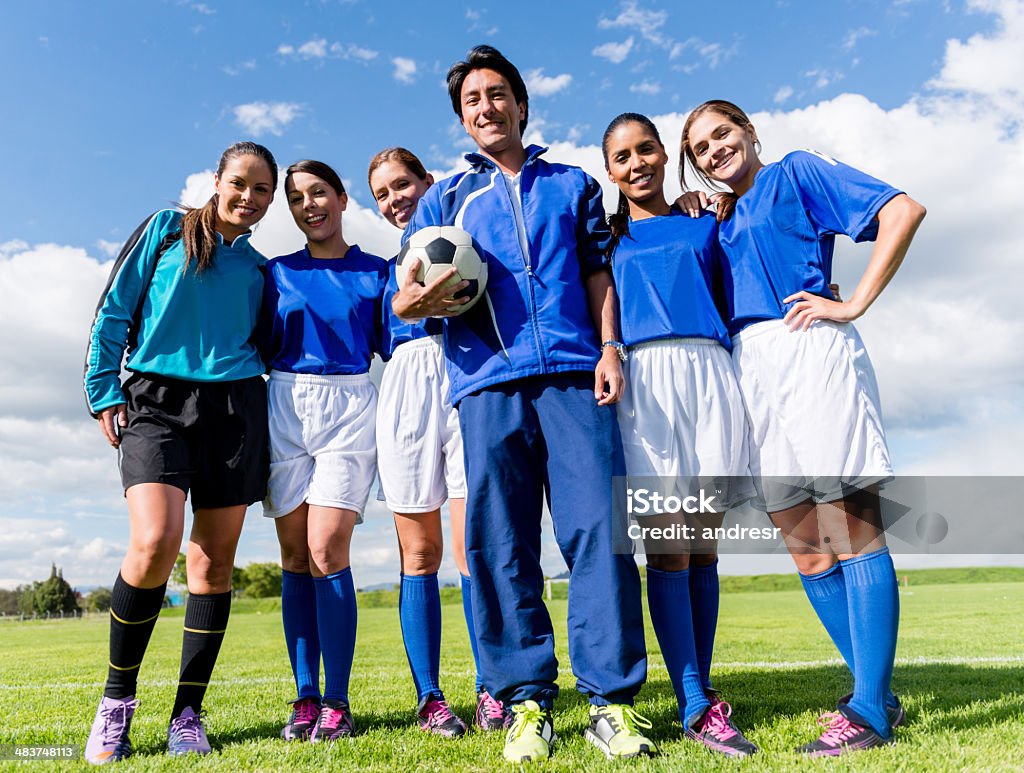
(438, 249)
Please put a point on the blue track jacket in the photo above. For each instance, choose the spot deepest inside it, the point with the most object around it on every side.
(535, 319)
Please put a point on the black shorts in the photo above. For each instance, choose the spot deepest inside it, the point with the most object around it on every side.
(207, 438)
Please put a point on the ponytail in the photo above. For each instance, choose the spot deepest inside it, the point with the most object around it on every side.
(618, 223)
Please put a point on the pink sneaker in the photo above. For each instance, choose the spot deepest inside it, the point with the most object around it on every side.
(434, 716)
(840, 736)
(300, 724)
(335, 721)
(716, 730)
(490, 712)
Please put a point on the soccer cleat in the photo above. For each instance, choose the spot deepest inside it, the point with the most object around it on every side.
(186, 735)
(334, 722)
(490, 712)
(434, 716)
(613, 730)
(531, 735)
(715, 729)
(840, 736)
(894, 713)
(305, 712)
(108, 739)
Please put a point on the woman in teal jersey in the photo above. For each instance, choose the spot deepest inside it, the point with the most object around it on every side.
(183, 298)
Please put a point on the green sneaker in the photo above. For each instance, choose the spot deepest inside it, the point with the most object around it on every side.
(531, 735)
(613, 730)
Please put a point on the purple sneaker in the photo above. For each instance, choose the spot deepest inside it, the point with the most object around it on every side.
(840, 736)
(334, 722)
(490, 713)
(108, 739)
(716, 730)
(434, 716)
(893, 712)
(300, 724)
(186, 735)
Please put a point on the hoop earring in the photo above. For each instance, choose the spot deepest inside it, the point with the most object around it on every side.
(757, 146)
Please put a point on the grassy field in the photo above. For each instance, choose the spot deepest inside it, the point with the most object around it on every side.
(960, 673)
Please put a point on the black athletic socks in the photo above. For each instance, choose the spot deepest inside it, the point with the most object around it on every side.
(206, 619)
(133, 613)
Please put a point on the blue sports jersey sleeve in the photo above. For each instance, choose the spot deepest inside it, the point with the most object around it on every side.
(593, 235)
(129, 279)
(838, 198)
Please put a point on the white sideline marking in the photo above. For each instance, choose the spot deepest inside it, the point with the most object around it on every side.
(765, 665)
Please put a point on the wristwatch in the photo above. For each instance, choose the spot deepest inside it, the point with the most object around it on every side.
(618, 346)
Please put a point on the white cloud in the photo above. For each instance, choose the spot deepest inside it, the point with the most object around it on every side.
(615, 53)
(632, 15)
(320, 49)
(405, 70)
(235, 70)
(541, 85)
(850, 41)
(783, 94)
(109, 249)
(823, 77)
(313, 49)
(711, 54)
(647, 87)
(259, 118)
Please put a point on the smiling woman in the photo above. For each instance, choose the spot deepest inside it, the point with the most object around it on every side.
(191, 419)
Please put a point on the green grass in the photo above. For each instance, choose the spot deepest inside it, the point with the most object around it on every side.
(965, 713)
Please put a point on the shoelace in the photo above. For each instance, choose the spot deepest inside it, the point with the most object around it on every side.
(438, 713)
(331, 718)
(187, 729)
(838, 728)
(305, 711)
(628, 717)
(525, 716)
(716, 721)
(493, 708)
(116, 717)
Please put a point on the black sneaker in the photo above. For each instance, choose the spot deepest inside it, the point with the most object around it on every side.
(300, 724)
(895, 714)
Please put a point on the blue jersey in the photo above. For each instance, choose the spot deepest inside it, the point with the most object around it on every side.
(780, 237)
(668, 275)
(196, 327)
(323, 316)
(535, 319)
(397, 332)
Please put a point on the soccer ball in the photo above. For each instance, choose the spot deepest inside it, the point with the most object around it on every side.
(438, 248)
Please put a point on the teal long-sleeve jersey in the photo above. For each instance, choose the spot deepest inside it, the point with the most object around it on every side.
(191, 326)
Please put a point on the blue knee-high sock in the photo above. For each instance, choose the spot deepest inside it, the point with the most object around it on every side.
(336, 618)
(298, 612)
(704, 604)
(668, 596)
(828, 595)
(874, 601)
(467, 610)
(419, 609)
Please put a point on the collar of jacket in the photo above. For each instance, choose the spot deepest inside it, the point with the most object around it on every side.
(480, 161)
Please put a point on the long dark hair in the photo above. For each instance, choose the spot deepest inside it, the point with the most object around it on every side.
(199, 225)
(618, 222)
(727, 200)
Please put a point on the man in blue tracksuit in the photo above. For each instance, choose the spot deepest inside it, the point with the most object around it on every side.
(535, 388)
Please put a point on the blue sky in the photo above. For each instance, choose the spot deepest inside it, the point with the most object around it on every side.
(117, 100)
(111, 110)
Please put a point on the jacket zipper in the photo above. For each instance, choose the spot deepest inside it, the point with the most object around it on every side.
(526, 262)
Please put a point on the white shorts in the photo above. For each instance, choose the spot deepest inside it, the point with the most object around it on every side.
(322, 444)
(419, 445)
(682, 416)
(813, 410)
